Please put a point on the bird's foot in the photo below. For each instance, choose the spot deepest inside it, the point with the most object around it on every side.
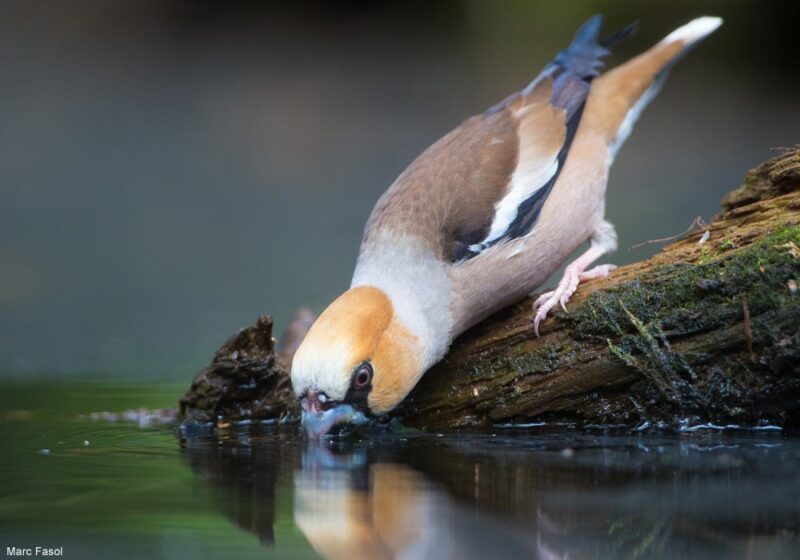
(573, 276)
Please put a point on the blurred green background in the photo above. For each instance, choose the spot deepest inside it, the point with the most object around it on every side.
(170, 169)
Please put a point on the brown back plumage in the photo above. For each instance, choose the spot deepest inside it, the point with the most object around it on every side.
(447, 195)
(487, 181)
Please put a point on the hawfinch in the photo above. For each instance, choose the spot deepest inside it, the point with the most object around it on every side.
(478, 221)
(401, 514)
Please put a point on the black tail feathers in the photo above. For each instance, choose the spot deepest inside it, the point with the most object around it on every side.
(620, 35)
(584, 55)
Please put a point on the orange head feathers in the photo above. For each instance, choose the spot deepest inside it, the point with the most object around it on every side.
(359, 354)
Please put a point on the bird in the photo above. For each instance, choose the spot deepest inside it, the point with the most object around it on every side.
(477, 222)
(404, 513)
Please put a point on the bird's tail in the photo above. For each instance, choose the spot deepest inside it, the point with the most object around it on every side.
(574, 68)
(584, 56)
(619, 96)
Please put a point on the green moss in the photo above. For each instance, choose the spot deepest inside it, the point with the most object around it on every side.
(535, 362)
(709, 252)
(686, 298)
(638, 319)
(705, 255)
(669, 371)
(785, 233)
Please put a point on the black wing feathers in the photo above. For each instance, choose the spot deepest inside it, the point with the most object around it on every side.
(571, 71)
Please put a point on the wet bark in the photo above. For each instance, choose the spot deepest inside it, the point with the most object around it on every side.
(701, 332)
(246, 380)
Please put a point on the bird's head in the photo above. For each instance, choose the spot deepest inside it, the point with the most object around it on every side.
(357, 362)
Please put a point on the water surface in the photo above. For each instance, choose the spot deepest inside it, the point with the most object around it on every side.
(118, 490)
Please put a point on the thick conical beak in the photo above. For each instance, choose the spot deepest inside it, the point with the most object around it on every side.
(342, 416)
(320, 419)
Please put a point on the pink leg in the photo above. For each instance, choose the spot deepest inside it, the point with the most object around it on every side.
(603, 241)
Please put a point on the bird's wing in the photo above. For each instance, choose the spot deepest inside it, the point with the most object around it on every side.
(543, 133)
(487, 181)
(547, 114)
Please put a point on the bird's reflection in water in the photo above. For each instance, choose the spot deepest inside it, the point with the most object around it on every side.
(350, 508)
(550, 496)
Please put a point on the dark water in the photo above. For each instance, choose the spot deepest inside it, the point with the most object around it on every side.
(118, 490)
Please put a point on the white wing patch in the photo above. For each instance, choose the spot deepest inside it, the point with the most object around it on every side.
(523, 184)
(537, 164)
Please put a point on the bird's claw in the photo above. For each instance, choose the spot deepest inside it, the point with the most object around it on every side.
(565, 289)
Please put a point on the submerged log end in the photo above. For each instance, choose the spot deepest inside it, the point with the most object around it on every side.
(245, 381)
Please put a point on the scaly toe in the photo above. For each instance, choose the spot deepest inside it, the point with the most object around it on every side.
(600, 271)
(544, 308)
(536, 321)
(541, 300)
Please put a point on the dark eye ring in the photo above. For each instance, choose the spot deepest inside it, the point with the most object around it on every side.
(363, 376)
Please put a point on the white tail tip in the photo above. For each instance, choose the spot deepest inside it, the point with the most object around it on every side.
(694, 30)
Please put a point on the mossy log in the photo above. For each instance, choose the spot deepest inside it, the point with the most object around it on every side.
(708, 330)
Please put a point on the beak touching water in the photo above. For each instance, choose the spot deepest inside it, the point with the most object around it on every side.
(321, 418)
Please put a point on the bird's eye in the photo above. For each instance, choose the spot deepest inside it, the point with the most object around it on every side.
(362, 376)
